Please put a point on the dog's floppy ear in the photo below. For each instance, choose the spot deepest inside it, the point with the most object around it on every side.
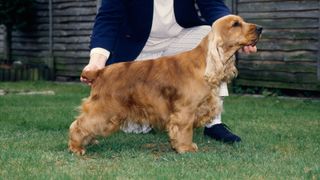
(214, 69)
(230, 69)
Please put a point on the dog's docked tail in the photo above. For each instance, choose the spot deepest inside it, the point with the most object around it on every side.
(90, 75)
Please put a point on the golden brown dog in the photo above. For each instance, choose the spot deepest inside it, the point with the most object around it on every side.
(175, 93)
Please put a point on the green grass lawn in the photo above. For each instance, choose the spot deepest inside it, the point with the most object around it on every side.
(280, 140)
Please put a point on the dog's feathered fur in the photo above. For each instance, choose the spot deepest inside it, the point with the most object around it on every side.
(175, 93)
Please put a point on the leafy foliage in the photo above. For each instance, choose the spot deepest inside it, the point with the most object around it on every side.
(16, 13)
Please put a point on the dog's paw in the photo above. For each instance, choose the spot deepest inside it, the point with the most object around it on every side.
(195, 147)
(94, 142)
(77, 151)
(187, 148)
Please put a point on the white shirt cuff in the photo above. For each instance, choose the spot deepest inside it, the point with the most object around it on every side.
(101, 51)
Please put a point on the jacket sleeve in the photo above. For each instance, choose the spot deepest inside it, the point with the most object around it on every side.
(211, 10)
(107, 24)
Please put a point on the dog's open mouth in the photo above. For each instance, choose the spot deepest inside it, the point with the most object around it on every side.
(254, 42)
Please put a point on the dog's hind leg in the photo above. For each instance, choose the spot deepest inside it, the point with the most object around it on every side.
(180, 129)
(111, 125)
(79, 137)
(86, 127)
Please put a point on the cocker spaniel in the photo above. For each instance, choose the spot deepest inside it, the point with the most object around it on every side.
(174, 93)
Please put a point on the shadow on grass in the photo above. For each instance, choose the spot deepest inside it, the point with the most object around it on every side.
(156, 144)
(140, 143)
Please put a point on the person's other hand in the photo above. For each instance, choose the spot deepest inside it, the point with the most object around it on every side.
(248, 49)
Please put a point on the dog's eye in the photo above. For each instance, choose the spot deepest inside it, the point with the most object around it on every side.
(236, 24)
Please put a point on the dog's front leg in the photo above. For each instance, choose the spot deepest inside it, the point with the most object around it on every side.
(180, 129)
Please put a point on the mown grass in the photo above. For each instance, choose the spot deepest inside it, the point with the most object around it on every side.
(280, 140)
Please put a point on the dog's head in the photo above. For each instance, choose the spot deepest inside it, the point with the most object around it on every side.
(228, 34)
(233, 32)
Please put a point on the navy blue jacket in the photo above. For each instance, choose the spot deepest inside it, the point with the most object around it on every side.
(123, 26)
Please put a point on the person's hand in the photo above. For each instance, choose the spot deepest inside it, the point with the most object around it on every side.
(97, 61)
(89, 67)
(248, 49)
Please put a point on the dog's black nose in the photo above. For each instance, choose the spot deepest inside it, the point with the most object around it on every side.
(259, 29)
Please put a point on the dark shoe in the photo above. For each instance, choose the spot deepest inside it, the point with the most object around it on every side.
(220, 132)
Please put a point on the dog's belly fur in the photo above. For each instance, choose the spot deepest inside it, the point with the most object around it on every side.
(157, 111)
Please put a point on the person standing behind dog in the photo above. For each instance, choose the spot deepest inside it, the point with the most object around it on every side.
(126, 30)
